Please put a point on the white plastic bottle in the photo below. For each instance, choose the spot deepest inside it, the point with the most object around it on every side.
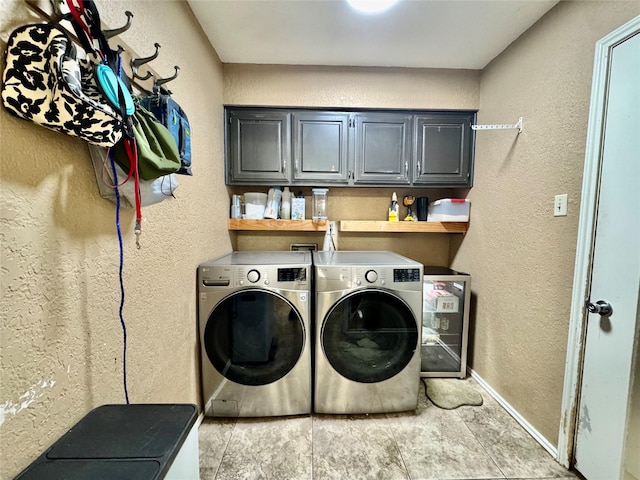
(285, 207)
(273, 203)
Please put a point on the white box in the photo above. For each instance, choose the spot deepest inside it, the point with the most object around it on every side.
(297, 208)
(442, 301)
(449, 210)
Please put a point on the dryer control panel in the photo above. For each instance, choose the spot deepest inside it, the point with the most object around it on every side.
(294, 278)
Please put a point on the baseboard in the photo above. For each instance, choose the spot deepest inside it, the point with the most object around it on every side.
(548, 446)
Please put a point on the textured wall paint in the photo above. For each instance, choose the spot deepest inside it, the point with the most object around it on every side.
(60, 339)
(344, 87)
(283, 85)
(521, 257)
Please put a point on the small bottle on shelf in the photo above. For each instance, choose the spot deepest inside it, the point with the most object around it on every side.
(285, 206)
(393, 208)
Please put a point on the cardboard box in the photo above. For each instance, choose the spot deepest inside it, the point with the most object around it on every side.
(297, 208)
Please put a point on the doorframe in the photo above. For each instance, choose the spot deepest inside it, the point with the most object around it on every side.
(586, 236)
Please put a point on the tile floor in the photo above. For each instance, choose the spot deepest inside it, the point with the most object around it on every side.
(431, 443)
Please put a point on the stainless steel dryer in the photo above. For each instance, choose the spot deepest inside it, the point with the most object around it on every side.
(368, 321)
(254, 320)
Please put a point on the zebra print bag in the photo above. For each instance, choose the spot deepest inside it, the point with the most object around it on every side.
(50, 81)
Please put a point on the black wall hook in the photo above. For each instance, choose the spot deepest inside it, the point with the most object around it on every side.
(158, 82)
(118, 31)
(139, 77)
(136, 62)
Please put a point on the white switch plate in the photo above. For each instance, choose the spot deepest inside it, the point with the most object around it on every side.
(560, 206)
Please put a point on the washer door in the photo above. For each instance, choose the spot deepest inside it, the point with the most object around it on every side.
(369, 336)
(254, 337)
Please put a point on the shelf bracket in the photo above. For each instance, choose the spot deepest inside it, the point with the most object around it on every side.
(519, 126)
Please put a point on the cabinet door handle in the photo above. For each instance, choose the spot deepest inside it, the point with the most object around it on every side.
(283, 167)
(297, 166)
(418, 168)
(350, 174)
(406, 167)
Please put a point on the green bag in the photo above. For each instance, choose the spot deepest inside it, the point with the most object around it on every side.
(158, 153)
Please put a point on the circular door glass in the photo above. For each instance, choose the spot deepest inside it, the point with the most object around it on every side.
(254, 337)
(369, 336)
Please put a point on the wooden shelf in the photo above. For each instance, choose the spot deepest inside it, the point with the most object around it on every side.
(277, 225)
(400, 227)
(348, 226)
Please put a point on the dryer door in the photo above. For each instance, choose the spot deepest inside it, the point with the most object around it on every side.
(254, 337)
(369, 336)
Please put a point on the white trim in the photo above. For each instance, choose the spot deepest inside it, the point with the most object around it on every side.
(546, 444)
(581, 278)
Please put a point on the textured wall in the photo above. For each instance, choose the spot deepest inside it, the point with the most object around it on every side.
(521, 257)
(60, 339)
(350, 87)
(302, 86)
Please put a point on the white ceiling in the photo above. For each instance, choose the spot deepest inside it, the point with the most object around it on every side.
(465, 34)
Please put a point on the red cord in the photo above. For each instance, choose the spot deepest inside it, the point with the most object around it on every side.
(132, 152)
(79, 13)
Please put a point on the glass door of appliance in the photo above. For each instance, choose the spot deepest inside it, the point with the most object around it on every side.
(444, 326)
(254, 337)
(369, 336)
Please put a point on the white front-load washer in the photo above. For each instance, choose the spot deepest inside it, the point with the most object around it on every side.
(254, 322)
(368, 319)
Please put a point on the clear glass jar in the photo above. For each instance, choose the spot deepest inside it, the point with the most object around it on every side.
(319, 204)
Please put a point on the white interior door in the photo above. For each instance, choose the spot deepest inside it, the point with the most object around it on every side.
(610, 341)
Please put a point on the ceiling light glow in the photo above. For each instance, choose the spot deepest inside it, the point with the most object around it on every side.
(371, 6)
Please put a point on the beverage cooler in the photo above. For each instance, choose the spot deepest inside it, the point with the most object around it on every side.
(445, 323)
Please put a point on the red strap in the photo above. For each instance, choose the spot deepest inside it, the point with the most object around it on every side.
(132, 152)
(79, 13)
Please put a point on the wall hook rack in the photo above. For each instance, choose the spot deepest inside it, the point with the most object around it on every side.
(519, 126)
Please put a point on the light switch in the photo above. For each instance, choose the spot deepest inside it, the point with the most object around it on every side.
(560, 206)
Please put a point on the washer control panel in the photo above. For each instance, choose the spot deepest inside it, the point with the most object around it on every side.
(339, 277)
(401, 275)
(371, 276)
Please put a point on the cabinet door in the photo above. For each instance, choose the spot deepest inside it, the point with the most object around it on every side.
(444, 150)
(320, 144)
(258, 147)
(382, 148)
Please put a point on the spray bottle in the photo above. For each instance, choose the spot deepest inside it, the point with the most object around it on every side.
(393, 208)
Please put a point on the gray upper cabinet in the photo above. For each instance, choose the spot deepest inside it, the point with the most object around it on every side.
(444, 149)
(306, 147)
(382, 148)
(320, 147)
(258, 146)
